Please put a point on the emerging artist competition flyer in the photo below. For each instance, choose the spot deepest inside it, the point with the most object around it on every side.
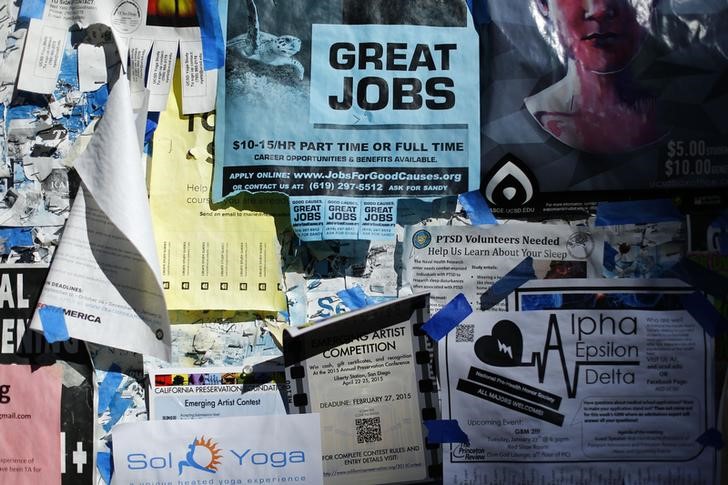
(368, 390)
(592, 396)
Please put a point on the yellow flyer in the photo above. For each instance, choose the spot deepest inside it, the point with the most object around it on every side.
(211, 259)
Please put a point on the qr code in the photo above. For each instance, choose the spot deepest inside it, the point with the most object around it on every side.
(464, 332)
(368, 430)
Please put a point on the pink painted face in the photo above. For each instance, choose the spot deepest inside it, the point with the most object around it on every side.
(602, 35)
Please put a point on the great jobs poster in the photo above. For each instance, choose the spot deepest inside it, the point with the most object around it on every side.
(330, 99)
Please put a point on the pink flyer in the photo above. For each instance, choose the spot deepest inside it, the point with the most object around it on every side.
(30, 429)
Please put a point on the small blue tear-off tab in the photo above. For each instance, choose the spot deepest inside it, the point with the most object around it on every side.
(477, 208)
(445, 431)
(516, 277)
(708, 281)
(704, 313)
(711, 437)
(213, 45)
(479, 10)
(637, 212)
(354, 298)
(448, 317)
(31, 9)
(108, 387)
(54, 324)
(105, 465)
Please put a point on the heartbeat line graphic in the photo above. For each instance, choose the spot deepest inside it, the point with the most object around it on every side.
(540, 359)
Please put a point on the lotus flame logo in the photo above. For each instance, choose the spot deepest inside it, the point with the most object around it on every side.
(202, 455)
(510, 185)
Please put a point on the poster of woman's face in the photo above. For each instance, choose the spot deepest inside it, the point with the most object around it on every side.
(606, 94)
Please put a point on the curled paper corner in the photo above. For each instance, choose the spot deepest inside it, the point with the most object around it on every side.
(448, 317)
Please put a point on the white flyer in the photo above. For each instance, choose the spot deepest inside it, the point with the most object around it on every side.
(580, 396)
(447, 260)
(139, 28)
(105, 275)
(236, 450)
(217, 392)
(371, 380)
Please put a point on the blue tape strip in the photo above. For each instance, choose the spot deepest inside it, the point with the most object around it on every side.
(704, 313)
(637, 212)
(117, 408)
(448, 317)
(105, 465)
(711, 437)
(721, 220)
(354, 297)
(479, 10)
(108, 387)
(54, 324)
(213, 44)
(610, 255)
(31, 9)
(516, 277)
(445, 431)
(702, 278)
(477, 208)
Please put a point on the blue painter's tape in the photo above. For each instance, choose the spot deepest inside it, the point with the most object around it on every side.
(610, 255)
(31, 9)
(213, 44)
(702, 278)
(54, 323)
(108, 387)
(711, 437)
(723, 243)
(117, 408)
(637, 212)
(704, 313)
(105, 464)
(448, 317)
(445, 431)
(15, 237)
(516, 277)
(477, 208)
(479, 10)
(354, 298)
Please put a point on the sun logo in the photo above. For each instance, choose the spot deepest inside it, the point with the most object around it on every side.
(202, 455)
